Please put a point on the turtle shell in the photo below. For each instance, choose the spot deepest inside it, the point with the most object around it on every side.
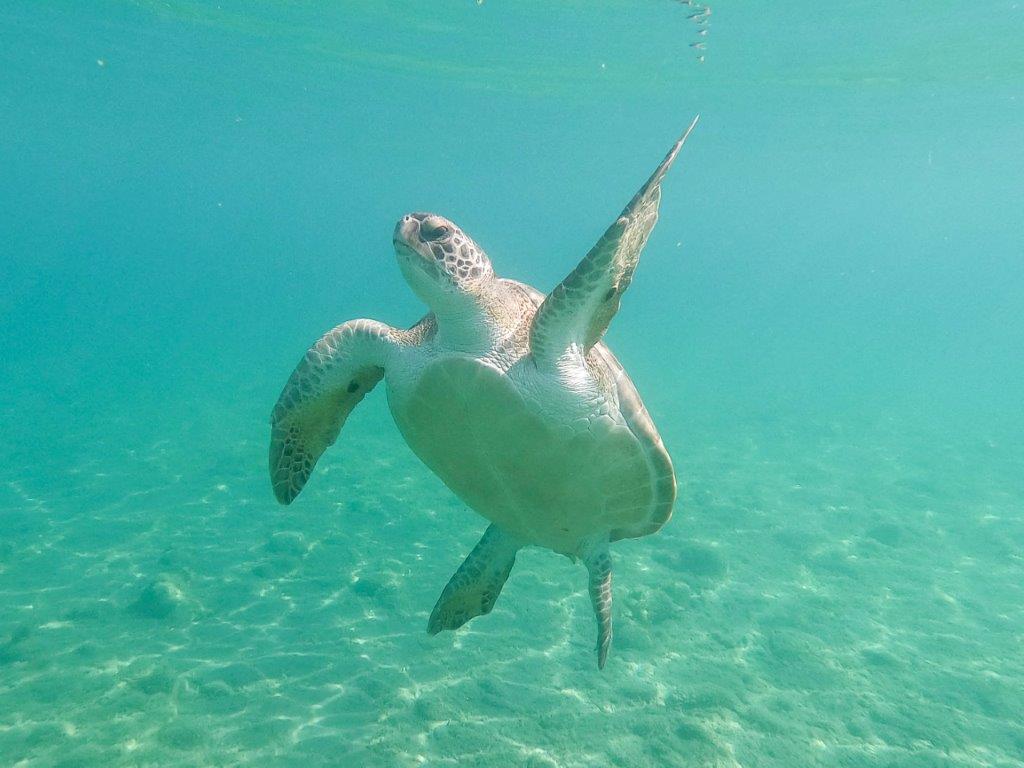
(548, 467)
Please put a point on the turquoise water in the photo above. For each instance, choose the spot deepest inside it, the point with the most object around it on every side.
(826, 326)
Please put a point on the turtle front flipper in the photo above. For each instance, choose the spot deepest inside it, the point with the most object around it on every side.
(580, 308)
(474, 588)
(335, 374)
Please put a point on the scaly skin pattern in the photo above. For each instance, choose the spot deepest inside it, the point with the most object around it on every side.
(581, 306)
(475, 586)
(330, 380)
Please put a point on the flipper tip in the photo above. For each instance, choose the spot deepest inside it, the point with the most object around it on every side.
(692, 125)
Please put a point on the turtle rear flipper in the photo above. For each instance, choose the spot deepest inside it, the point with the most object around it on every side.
(475, 586)
(599, 569)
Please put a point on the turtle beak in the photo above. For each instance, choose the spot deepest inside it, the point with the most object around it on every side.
(406, 230)
(419, 268)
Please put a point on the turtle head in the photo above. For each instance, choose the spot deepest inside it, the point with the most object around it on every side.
(440, 262)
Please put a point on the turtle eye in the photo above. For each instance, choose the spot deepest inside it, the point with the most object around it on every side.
(431, 232)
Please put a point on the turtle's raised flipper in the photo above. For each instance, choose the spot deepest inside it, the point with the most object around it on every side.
(599, 567)
(329, 381)
(579, 309)
(474, 588)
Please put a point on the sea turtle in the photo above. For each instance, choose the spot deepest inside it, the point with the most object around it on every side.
(509, 396)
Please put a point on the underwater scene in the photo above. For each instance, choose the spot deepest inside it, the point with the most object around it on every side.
(825, 331)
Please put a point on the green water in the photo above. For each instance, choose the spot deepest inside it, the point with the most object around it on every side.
(827, 327)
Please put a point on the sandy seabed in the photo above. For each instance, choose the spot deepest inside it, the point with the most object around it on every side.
(833, 592)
